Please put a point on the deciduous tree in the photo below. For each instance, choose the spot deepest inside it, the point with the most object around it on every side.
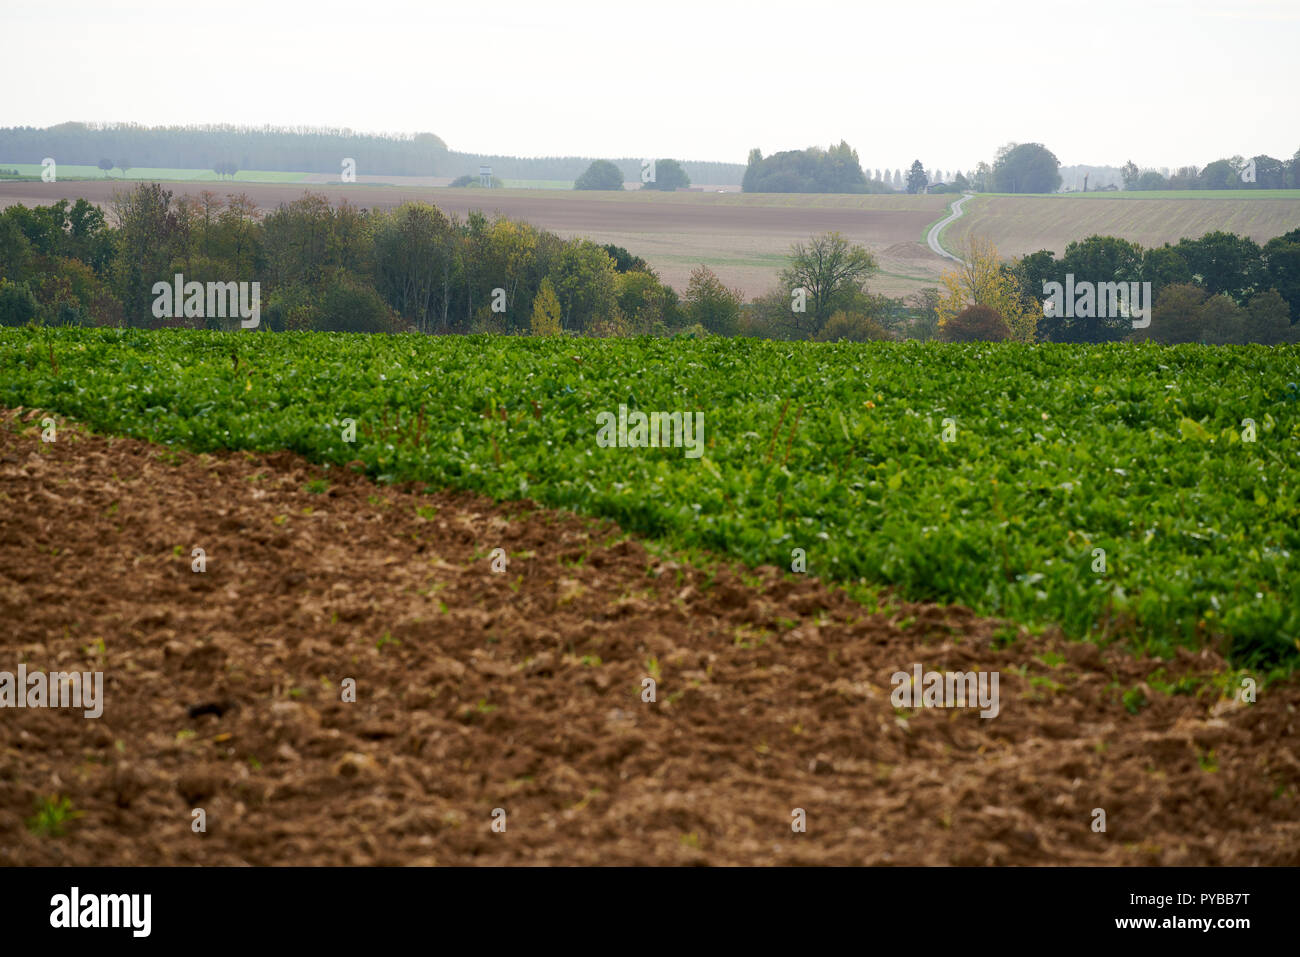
(832, 271)
(546, 311)
(984, 280)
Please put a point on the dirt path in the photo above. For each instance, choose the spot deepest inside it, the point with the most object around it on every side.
(522, 691)
(932, 237)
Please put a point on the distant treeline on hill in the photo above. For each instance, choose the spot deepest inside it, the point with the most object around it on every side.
(300, 149)
(812, 170)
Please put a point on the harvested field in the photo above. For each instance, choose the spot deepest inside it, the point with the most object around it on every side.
(1026, 224)
(522, 691)
(743, 238)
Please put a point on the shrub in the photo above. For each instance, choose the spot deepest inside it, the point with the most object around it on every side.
(348, 307)
(975, 324)
(290, 308)
(473, 181)
(852, 327)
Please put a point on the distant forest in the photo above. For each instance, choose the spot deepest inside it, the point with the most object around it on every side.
(304, 150)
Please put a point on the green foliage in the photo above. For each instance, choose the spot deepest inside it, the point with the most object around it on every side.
(1226, 263)
(624, 261)
(346, 306)
(17, 304)
(1185, 313)
(291, 308)
(15, 249)
(53, 814)
(1151, 180)
(320, 266)
(147, 243)
(1058, 450)
(647, 305)
(711, 304)
(1270, 173)
(832, 271)
(922, 309)
(601, 174)
(1026, 168)
(585, 283)
(476, 182)
(852, 327)
(916, 178)
(669, 175)
(1267, 320)
(546, 311)
(1220, 288)
(1135, 700)
(1281, 257)
(814, 170)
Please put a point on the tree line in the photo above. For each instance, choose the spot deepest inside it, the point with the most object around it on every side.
(320, 266)
(1220, 289)
(1236, 172)
(300, 149)
(1017, 168)
(414, 268)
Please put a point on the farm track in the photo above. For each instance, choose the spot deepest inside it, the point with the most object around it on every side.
(932, 237)
(521, 691)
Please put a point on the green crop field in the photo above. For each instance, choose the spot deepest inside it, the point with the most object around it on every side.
(986, 474)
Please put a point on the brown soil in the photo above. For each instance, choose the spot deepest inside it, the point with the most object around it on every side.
(521, 691)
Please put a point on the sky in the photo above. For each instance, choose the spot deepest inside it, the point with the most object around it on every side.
(1159, 82)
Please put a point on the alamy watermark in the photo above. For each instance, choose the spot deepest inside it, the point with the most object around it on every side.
(639, 430)
(58, 689)
(75, 909)
(1098, 300)
(946, 689)
(213, 300)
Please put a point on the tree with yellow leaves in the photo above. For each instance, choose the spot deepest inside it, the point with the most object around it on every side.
(546, 311)
(513, 246)
(983, 280)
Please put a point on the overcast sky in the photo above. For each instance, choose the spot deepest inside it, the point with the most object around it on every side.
(1161, 82)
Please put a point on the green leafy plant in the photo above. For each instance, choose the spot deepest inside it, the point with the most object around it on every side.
(52, 816)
